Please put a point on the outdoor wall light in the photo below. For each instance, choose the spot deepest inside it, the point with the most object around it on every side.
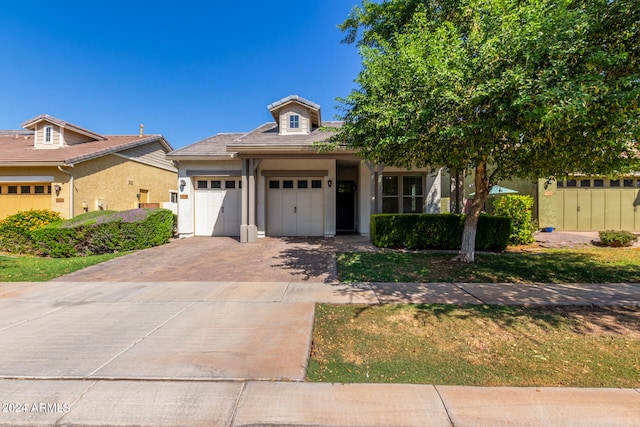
(329, 183)
(548, 183)
(182, 184)
(138, 196)
(57, 189)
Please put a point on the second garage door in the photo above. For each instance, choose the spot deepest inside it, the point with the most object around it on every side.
(295, 207)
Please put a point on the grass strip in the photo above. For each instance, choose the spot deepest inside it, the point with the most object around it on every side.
(17, 268)
(476, 346)
(598, 265)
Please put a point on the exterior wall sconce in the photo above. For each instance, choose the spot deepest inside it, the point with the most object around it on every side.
(138, 196)
(548, 183)
(329, 183)
(182, 184)
(57, 189)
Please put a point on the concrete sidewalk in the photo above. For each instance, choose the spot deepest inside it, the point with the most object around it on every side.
(235, 353)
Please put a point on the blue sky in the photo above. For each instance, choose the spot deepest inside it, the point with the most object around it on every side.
(186, 69)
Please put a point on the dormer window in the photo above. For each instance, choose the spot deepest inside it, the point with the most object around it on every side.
(294, 121)
(47, 135)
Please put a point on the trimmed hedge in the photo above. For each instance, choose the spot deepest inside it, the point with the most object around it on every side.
(518, 208)
(617, 239)
(105, 232)
(15, 230)
(437, 231)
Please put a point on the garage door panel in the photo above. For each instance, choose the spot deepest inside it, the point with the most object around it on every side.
(627, 214)
(584, 210)
(294, 210)
(217, 212)
(570, 216)
(612, 210)
(597, 210)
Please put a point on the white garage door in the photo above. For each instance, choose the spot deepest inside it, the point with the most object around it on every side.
(217, 207)
(295, 207)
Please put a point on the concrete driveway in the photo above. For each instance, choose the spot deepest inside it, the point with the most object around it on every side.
(220, 259)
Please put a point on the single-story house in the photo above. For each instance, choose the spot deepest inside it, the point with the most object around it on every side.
(56, 165)
(273, 181)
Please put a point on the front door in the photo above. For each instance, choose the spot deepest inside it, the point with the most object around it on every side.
(346, 206)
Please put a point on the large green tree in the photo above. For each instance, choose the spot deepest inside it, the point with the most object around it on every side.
(504, 88)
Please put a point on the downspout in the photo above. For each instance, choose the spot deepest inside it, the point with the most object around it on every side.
(70, 189)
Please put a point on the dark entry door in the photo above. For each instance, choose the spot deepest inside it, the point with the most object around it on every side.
(346, 206)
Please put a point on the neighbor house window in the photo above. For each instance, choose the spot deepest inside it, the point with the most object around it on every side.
(390, 194)
(294, 121)
(12, 189)
(202, 184)
(25, 189)
(229, 184)
(216, 184)
(412, 194)
(598, 182)
(585, 183)
(38, 189)
(614, 183)
(173, 197)
(628, 183)
(47, 135)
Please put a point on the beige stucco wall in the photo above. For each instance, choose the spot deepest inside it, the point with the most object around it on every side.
(114, 182)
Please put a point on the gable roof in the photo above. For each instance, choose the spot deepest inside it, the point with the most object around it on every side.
(313, 108)
(19, 151)
(31, 124)
(267, 137)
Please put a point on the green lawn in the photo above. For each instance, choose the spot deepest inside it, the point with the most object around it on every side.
(597, 265)
(476, 346)
(16, 268)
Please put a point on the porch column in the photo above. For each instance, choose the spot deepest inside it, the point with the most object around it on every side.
(379, 195)
(252, 229)
(244, 204)
(372, 187)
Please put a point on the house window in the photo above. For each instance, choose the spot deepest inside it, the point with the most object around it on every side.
(628, 183)
(216, 184)
(412, 194)
(229, 184)
(202, 184)
(12, 189)
(173, 197)
(614, 183)
(390, 194)
(47, 135)
(294, 121)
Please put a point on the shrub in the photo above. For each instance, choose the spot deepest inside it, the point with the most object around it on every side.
(106, 231)
(617, 239)
(518, 208)
(437, 231)
(15, 230)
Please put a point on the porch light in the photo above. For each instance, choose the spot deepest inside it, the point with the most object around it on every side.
(182, 184)
(329, 182)
(57, 189)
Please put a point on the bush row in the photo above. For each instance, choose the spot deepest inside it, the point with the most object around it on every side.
(437, 231)
(94, 233)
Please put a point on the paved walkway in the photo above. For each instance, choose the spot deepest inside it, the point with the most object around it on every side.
(197, 352)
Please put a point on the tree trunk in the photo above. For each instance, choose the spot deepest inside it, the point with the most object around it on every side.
(467, 249)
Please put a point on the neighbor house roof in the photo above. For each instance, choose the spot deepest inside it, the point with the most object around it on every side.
(17, 149)
(214, 146)
(31, 124)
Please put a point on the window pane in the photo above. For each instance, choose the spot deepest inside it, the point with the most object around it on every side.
(412, 185)
(390, 186)
(287, 184)
(412, 205)
(628, 183)
(598, 182)
(229, 184)
(294, 121)
(38, 189)
(585, 183)
(12, 189)
(571, 183)
(389, 205)
(216, 184)
(560, 184)
(614, 183)
(274, 184)
(202, 184)
(25, 189)
(303, 183)
(316, 183)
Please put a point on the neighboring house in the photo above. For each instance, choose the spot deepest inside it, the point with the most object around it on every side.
(583, 203)
(56, 165)
(273, 181)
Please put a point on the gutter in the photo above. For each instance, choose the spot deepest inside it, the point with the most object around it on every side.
(71, 199)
